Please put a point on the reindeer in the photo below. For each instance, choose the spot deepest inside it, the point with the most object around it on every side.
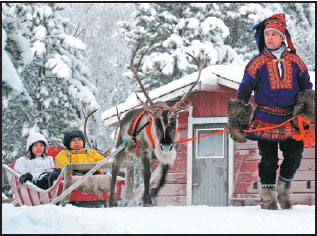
(154, 134)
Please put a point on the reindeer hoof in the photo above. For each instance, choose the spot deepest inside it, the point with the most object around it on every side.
(146, 201)
(145, 204)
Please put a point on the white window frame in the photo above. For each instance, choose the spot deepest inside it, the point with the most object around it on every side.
(211, 157)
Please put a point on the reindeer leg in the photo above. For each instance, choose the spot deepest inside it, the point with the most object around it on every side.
(121, 156)
(146, 199)
(154, 191)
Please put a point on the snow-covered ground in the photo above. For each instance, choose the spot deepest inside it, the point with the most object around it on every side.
(52, 219)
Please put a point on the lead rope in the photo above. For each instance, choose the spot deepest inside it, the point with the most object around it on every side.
(307, 136)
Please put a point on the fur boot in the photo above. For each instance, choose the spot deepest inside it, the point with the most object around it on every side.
(284, 193)
(239, 118)
(305, 105)
(268, 199)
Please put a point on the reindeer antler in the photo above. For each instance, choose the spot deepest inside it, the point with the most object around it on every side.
(107, 152)
(85, 125)
(177, 108)
(151, 107)
(135, 69)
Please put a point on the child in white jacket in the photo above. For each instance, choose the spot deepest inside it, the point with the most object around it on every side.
(35, 166)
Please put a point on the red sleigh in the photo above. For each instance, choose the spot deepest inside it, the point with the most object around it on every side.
(31, 195)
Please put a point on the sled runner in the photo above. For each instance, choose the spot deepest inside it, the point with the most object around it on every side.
(72, 189)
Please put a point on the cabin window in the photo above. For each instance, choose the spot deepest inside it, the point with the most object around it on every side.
(210, 146)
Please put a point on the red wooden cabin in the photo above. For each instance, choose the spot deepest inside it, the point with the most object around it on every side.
(215, 171)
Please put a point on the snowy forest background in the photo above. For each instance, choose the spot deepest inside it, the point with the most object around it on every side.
(60, 58)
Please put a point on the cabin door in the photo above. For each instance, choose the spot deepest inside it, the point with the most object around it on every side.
(210, 165)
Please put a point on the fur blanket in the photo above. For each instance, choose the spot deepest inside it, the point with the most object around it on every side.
(94, 184)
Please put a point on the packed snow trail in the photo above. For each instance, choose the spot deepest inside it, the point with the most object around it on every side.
(54, 219)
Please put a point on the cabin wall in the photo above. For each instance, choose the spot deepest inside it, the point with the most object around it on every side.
(246, 191)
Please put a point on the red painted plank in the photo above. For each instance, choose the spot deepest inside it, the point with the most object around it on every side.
(253, 176)
(172, 178)
(307, 164)
(173, 190)
(252, 154)
(304, 175)
(245, 187)
(171, 200)
(178, 167)
(247, 166)
(303, 187)
(252, 166)
(248, 177)
(211, 104)
(246, 146)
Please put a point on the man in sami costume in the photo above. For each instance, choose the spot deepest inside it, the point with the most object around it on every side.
(282, 90)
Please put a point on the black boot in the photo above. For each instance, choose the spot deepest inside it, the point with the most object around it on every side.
(52, 177)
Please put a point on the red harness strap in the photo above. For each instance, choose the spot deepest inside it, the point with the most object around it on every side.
(135, 122)
(148, 131)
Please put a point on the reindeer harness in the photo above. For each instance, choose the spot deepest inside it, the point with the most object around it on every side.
(133, 132)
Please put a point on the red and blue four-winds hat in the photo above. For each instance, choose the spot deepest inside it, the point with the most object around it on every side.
(277, 22)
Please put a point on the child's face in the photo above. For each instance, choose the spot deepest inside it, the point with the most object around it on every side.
(38, 148)
(76, 143)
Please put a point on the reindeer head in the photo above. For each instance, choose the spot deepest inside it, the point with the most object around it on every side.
(165, 117)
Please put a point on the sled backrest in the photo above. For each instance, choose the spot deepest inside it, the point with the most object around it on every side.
(54, 150)
(11, 165)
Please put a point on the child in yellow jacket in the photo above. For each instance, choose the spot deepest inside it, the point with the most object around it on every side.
(74, 141)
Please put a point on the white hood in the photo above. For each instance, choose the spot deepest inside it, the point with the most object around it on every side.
(35, 137)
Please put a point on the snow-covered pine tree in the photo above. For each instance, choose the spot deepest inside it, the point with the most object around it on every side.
(173, 29)
(241, 17)
(106, 54)
(56, 79)
(301, 25)
(16, 54)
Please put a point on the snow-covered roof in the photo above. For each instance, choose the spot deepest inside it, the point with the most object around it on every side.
(211, 77)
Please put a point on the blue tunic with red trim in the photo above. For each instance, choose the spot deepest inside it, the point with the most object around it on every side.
(276, 94)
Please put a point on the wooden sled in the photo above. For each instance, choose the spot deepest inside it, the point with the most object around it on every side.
(65, 188)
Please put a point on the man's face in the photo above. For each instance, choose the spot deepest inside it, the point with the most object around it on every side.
(273, 40)
(76, 143)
